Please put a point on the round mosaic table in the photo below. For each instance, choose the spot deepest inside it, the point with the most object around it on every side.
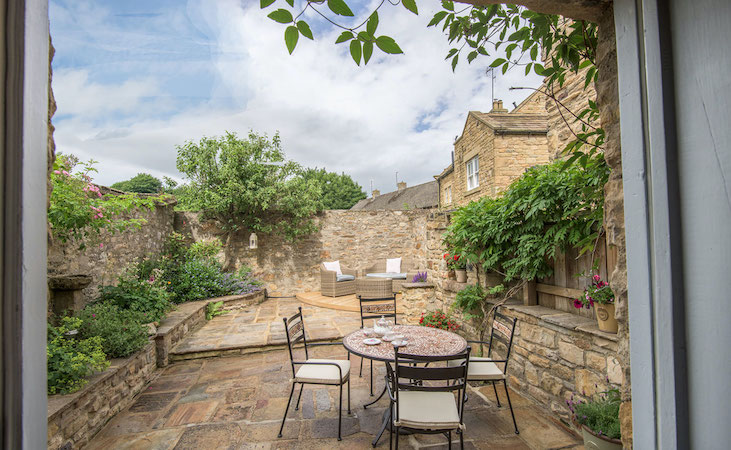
(422, 341)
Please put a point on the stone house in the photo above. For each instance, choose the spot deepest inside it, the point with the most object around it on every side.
(494, 149)
(421, 196)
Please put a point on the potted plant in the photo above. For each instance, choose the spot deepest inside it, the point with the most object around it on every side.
(438, 319)
(450, 270)
(598, 419)
(458, 265)
(599, 296)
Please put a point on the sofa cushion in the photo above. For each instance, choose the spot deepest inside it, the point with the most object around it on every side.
(333, 266)
(392, 276)
(393, 265)
(344, 278)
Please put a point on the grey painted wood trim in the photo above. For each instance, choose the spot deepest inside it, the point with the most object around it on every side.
(654, 258)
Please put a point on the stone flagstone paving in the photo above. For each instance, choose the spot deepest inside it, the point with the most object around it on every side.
(237, 402)
(261, 325)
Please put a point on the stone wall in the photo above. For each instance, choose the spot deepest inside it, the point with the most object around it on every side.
(356, 238)
(477, 139)
(513, 154)
(106, 258)
(74, 419)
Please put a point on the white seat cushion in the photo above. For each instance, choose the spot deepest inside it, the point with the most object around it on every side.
(322, 373)
(481, 369)
(427, 410)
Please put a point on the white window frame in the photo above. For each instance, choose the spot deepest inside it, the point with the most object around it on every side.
(448, 194)
(473, 173)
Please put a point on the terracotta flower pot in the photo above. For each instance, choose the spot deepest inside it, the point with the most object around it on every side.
(461, 275)
(595, 442)
(605, 317)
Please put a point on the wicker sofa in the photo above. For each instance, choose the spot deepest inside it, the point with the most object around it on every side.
(331, 287)
(407, 266)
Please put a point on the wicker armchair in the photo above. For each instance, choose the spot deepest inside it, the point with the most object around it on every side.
(331, 287)
(407, 265)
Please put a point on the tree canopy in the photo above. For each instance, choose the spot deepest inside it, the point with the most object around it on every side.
(142, 183)
(246, 183)
(339, 191)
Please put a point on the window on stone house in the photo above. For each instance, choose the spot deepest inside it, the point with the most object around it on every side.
(448, 194)
(473, 173)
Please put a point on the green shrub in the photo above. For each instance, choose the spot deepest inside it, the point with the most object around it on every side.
(121, 330)
(204, 250)
(196, 279)
(470, 299)
(213, 309)
(601, 414)
(69, 360)
(147, 296)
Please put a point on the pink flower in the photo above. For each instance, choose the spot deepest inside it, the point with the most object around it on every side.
(57, 172)
(93, 315)
(65, 173)
(101, 245)
(597, 278)
(578, 304)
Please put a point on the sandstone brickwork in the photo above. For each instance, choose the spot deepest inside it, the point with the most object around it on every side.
(107, 258)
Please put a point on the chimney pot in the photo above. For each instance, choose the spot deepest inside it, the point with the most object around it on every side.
(495, 105)
(401, 185)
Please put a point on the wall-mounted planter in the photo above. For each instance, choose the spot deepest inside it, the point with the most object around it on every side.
(605, 317)
(461, 275)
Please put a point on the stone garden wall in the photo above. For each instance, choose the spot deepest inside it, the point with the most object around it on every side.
(105, 258)
(356, 238)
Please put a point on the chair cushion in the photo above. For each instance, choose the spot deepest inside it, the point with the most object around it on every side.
(393, 276)
(344, 277)
(321, 373)
(393, 265)
(481, 369)
(427, 410)
(333, 266)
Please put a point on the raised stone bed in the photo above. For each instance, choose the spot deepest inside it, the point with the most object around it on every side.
(74, 418)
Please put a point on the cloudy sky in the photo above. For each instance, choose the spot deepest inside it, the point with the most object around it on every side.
(133, 79)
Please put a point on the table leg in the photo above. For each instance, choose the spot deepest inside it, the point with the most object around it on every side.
(384, 426)
(377, 398)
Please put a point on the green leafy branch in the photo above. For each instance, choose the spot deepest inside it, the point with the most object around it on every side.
(362, 42)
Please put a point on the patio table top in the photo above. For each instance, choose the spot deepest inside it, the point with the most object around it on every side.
(423, 341)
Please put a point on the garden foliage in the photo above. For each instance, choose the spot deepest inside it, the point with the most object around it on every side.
(149, 297)
(550, 208)
(246, 183)
(77, 208)
(69, 359)
(142, 183)
(600, 414)
(339, 191)
(121, 330)
(438, 319)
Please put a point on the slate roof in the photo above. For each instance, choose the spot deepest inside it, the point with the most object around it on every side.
(422, 196)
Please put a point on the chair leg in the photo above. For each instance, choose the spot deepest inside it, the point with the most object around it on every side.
(461, 439)
(340, 413)
(449, 437)
(299, 396)
(496, 396)
(291, 392)
(349, 413)
(390, 427)
(505, 383)
(397, 432)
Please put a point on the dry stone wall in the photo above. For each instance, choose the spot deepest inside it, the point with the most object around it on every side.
(106, 258)
(356, 238)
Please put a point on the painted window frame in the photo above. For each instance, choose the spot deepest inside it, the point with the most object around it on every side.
(448, 194)
(472, 169)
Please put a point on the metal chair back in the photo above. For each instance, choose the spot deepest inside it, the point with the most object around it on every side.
(294, 328)
(503, 330)
(426, 378)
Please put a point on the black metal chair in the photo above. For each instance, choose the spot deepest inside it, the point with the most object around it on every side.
(489, 369)
(425, 402)
(331, 372)
(374, 305)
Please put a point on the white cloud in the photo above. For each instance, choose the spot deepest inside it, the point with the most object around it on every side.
(364, 121)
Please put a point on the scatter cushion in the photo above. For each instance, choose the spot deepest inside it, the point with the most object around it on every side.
(345, 278)
(323, 373)
(481, 369)
(333, 266)
(427, 410)
(393, 265)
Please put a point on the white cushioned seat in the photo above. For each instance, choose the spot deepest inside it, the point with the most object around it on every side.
(323, 373)
(481, 369)
(427, 410)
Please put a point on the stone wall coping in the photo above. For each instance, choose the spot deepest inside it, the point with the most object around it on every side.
(183, 311)
(421, 284)
(60, 403)
(566, 320)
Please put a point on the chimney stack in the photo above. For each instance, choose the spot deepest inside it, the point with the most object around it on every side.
(497, 107)
(401, 185)
(375, 193)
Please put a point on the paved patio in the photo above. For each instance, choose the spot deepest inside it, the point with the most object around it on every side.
(342, 303)
(255, 328)
(237, 403)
